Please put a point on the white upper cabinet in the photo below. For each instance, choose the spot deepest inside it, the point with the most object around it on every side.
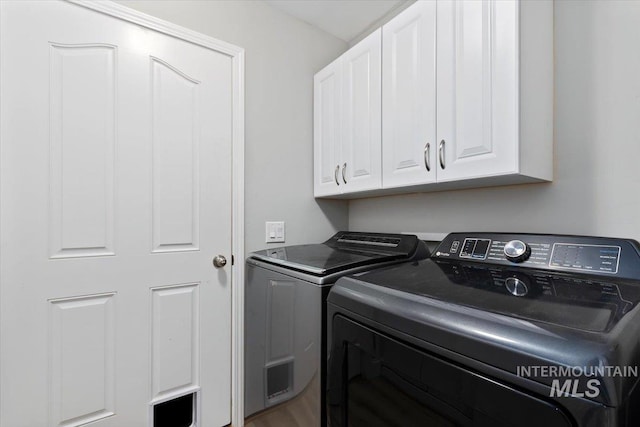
(467, 100)
(327, 130)
(361, 115)
(477, 89)
(495, 91)
(409, 97)
(347, 114)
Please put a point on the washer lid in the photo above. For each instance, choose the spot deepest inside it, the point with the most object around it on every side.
(321, 259)
(344, 251)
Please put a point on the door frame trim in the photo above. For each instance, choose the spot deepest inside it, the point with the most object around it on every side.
(236, 54)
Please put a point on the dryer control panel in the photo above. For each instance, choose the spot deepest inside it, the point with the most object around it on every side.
(591, 255)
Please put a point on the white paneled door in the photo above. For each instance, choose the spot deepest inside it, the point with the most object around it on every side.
(115, 197)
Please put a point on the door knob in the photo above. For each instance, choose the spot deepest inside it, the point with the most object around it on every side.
(219, 261)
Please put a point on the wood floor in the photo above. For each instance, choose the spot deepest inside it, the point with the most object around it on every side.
(301, 411)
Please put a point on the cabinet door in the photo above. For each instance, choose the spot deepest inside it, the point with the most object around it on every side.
(327, 129)
(409, 97)
(361, 135)
(477, 78)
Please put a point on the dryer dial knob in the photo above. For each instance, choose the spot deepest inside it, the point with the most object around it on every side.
(517, 251)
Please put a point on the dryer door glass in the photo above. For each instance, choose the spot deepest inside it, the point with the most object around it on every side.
(375, 380)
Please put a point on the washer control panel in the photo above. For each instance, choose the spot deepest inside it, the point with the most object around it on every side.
(594, 255)
(473, 248)
(586, 257)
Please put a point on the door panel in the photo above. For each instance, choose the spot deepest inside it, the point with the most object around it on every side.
(409, 97)
(327, 133)
(82, 387)
(375, 380)
(116, 143)
(82, 132)
(477, 88)
(175, 355)
(175, 113)
(361, 137)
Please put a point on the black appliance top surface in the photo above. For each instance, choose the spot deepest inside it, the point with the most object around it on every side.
(587, 303)
(585, 283)
(343, 251)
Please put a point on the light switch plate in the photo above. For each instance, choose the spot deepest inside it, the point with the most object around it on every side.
(274, 231)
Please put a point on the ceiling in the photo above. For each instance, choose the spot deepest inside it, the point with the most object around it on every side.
(345, 19)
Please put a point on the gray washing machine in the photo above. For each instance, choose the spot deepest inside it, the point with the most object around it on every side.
(285, 339)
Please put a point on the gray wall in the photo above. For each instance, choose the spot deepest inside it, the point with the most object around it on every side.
(596, 189)
(282, 55)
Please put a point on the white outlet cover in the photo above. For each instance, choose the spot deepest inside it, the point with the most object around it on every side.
(274, 232)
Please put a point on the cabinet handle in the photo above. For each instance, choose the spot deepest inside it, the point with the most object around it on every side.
(335, 174)
(427, 157)
(441, 154)
(344, 170)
